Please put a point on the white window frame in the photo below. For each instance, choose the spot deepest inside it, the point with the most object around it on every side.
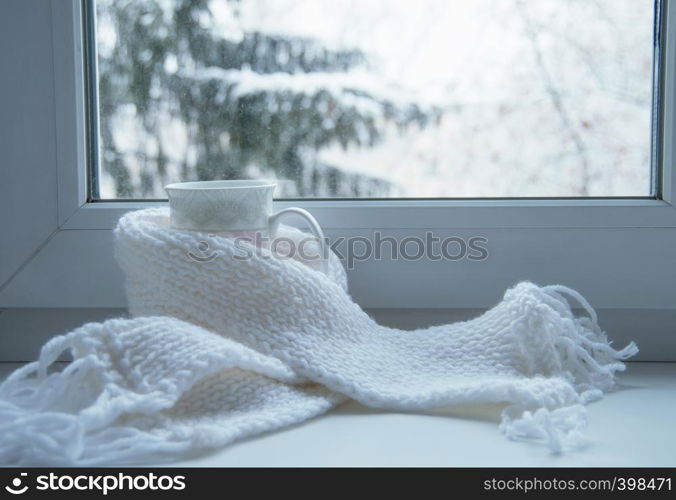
(620, 253)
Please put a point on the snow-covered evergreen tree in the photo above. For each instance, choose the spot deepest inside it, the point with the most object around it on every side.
(185, 94)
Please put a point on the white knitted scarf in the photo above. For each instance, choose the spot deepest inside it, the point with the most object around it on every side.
(230, 347)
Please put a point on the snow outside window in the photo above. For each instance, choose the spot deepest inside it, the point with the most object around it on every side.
(376, 98)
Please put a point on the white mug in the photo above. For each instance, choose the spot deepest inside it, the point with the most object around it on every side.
(235, 206)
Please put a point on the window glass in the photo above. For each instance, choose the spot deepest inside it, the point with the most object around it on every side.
(376, 98)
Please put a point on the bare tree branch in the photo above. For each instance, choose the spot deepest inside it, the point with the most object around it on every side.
(556, 99)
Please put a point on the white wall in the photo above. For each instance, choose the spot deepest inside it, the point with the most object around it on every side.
(27, 130)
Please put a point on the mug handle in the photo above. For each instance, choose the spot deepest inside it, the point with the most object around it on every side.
(275, 219)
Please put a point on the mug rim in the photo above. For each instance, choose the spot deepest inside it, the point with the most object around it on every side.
(220, 184)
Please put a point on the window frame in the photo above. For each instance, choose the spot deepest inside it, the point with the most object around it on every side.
(78, 248)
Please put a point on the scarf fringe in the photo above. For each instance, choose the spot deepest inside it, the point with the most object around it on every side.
(560, 429)
(46, 418)
(589, 363)
(585, 352)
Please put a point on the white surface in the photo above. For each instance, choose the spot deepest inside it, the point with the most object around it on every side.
(633, 426)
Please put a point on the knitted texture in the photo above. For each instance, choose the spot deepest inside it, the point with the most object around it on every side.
(230, 346)
(146, 389)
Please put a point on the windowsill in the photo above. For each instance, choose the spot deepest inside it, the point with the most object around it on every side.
(632, 427)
